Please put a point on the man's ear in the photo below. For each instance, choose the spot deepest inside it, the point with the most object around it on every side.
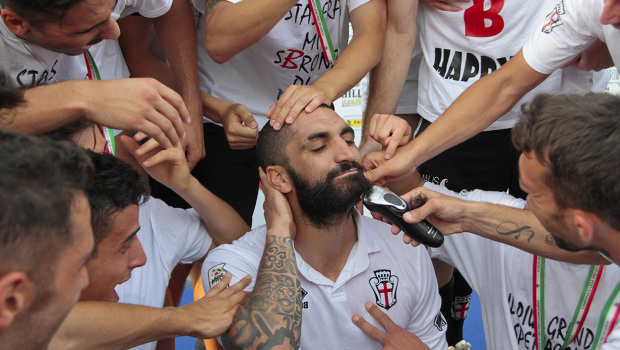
(279, 179)
(15, 23)
(14, 295)
(585, 223)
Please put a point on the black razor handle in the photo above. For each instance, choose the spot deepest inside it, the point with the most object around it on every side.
(386, 203)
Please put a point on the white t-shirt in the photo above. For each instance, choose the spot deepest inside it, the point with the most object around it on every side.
(461, 47)
(169, 236)
(290, 54)
(502, 276)
(29, 65)
(407, 287)
(569, 28)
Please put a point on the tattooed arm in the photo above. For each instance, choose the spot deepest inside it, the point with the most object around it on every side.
(513, 226)
(270, 317)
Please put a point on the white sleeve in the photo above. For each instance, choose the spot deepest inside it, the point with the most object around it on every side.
(565, 32)
(427, 322)
(179, 234)
(146, 8)
(353, 4)
(240, 258)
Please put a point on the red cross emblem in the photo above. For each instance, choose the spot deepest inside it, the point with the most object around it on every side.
(384, 286)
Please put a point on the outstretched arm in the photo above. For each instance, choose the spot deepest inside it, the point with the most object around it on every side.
(388, 77)
(139, 104)
(177, 34)
(478, 107)
(169, 167)
(516, 227)
(106, 325)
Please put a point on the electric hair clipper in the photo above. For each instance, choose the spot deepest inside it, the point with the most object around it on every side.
(392, 207)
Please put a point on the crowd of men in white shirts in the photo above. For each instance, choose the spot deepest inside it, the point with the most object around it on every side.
(134, 135)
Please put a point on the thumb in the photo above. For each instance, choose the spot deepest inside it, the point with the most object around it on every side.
(246, 117)
(376, 175)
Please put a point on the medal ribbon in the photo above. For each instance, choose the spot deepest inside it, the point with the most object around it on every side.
(93, 74)
(608, 318)
(581, 311)
(321, 27)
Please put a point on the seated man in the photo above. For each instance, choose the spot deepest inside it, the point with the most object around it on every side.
(45, 236)
(312, 180)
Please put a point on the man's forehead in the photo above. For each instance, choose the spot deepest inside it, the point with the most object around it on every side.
(321, 120)
(125, 224)
(95, 11)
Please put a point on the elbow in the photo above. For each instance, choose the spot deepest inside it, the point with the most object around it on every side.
(218, 53)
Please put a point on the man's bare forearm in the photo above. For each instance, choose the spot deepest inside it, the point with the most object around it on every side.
(106, 325)
(477, 107)
(388, 77)
(46, 108)
(271, 315)
(223, 223)
(521, 229)
(361, 55)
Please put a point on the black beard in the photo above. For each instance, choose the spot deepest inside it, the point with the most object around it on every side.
(323, 201)
(564, 244)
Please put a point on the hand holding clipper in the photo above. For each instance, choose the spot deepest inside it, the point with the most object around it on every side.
(392, 207)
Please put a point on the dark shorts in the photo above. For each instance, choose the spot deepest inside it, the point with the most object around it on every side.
(487, 161)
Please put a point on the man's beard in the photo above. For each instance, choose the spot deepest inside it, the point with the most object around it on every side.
(323, 201)
(556, 224)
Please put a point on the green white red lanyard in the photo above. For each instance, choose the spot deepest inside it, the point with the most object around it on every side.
(93, 74)
(321, 27)
(590, 287)
(608, 318)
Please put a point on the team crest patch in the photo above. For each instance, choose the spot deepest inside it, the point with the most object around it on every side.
(439, 322)
(554, 18)
(216, 273)
(384, 285)
(460, 307)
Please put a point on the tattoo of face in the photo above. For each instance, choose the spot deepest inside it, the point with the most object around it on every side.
(210, 5)
(508, 228)
(550, 240)
(271, 314)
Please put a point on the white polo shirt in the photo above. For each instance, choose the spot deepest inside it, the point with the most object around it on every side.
(380, 269)
(169, 236)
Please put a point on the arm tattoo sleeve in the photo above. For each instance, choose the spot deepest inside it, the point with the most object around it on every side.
(210, 6)
(271, 314)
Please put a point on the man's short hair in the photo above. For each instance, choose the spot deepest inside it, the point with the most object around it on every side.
(37, 11)
(578, 137)
(271, 144)
(116, 186)
(39, 179)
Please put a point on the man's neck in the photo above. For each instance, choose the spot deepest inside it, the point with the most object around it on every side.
(326, 248)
